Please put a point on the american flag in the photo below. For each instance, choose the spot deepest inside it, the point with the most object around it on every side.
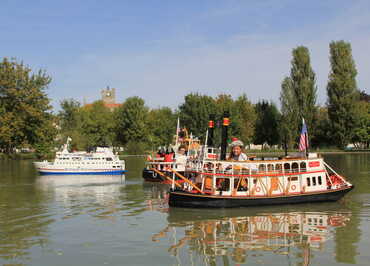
(303, 141)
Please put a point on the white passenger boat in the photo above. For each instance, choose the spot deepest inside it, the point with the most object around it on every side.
(101, 161)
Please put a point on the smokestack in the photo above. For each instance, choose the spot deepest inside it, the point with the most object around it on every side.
(225, 125)
(211, 126)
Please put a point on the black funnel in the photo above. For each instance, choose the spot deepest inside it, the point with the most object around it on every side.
(225, 125)
(211, 127)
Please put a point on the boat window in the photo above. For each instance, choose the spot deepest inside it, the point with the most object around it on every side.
(109, 159)
(295, 167)
(293, 178)
(243, 186)
(319, 180)
(308, 182)
(270, 167)
(223, 184)
(303, 167)
(287, 167)
(314, 181)
(262, 168)
(278, 167)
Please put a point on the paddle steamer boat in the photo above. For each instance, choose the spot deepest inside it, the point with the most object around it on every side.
(211, 181)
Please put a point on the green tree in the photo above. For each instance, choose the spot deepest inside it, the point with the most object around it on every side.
(97, 125)
(290, 116)
(162, 126)
(25, 117)
(194, 113)
(298, 95)
(244, 115)
(342, 93)
(361, 134)
(70, 120)
(322, 134)
(131, 122)
(267, 124)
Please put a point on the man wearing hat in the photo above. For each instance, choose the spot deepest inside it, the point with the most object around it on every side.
(236, 153)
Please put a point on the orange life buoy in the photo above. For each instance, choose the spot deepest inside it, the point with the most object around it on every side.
(293, 187)
(258, 189)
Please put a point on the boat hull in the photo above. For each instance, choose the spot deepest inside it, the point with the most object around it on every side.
(151, 176)
(192, 200)
(81, 172)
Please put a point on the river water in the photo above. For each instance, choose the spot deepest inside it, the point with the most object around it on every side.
(120, 220)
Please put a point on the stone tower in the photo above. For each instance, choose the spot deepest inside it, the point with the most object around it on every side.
(108, 95)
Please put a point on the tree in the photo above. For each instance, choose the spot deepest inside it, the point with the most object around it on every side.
(322, 134)
(70, 120)
(195, 111)
(298, 95)
(267, 124)
(361, 134)
(244, 115)
(97, 125)
(131, 122)
(289, 118)
(342, 93)
(162, 126)
(25, 117)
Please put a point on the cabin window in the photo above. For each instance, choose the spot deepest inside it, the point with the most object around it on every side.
(308, 180)
(109, 159)
(293, 178)
(278, 168)
(243, 186)
(314, 181)
(223, 184)
(319, 180)
(303, 167)
(295, 168)
(287, 167)
(270, 167)
(262, 168)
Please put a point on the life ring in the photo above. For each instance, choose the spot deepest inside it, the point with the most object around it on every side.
(258, 189)
(293, 187)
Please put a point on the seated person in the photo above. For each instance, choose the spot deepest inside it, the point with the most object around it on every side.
(236, 153)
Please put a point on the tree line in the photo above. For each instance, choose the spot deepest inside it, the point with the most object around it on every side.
(27, 120)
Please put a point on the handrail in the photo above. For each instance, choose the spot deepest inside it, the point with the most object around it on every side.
(168, 178)
(187, 180)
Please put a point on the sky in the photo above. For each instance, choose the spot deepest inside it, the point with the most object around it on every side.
(165, 49)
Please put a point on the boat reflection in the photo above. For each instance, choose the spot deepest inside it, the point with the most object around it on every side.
(97, 193)
(289, 234)
(158, 196)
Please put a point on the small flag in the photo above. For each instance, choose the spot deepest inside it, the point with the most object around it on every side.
(303, 141)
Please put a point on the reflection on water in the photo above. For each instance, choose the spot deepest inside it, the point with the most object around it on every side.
(114, 220)
(292, 235)
(80, 194)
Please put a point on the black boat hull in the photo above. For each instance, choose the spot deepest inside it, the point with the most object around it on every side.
(152, 176)
(191, 200)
